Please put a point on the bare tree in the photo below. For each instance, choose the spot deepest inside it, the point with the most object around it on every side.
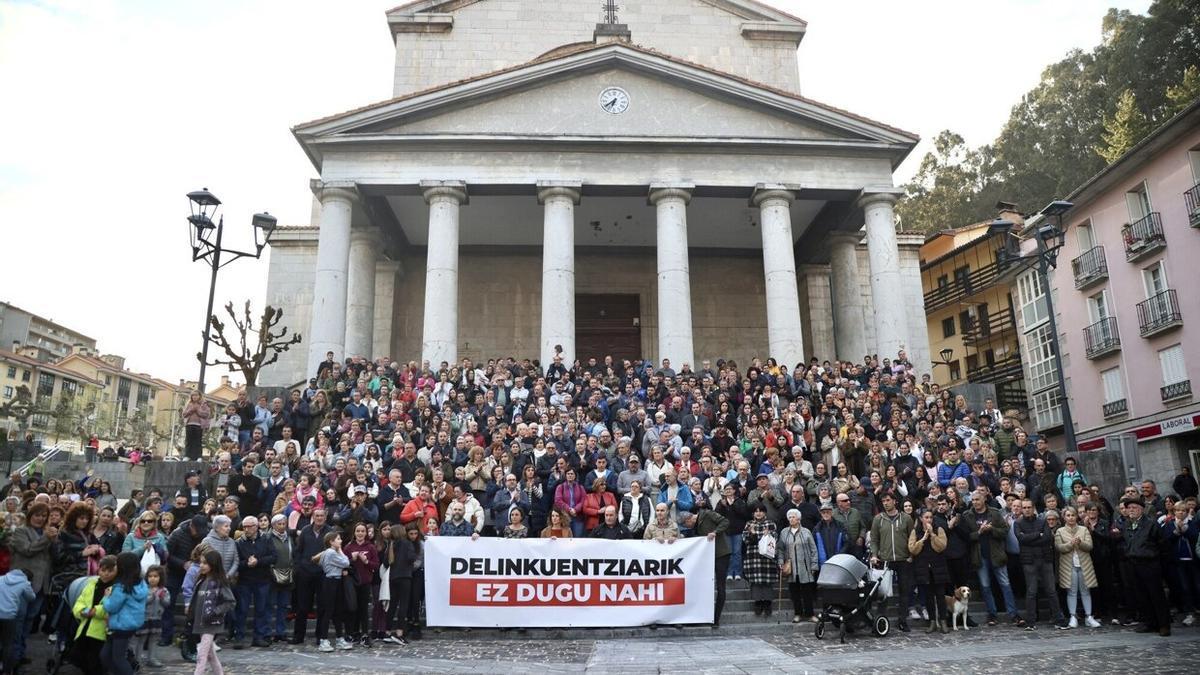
(258, 345)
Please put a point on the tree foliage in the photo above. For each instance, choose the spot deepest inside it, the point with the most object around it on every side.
(1050, 143)
(257, 345)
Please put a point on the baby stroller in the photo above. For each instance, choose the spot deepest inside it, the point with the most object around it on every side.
(850, 595)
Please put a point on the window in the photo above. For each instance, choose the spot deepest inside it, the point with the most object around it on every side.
(69, 387)
(943, 281)
(1155, 279)
(989, 357)
(1171, 362)
(964, 321)
(108, 380)
(972, 362)
(1084, 233)
(948, 327)
(25, 375)
(143, 395)
(1039, 351)
(12, 372)
(45, 386)
(1114, 387)
(1033, 303)
(1194, 161)
(1098, 306)
(123, 387)
(1138, 202)
(955, 371)
(962, 277)
(9, 392)
(1047, 408)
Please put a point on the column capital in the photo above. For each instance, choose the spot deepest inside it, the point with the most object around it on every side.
(873, 195)
(661, 191)
(764, 191)
(453, 190)
(334, 190)
(548, 189)
(366, 235)
(844, 236)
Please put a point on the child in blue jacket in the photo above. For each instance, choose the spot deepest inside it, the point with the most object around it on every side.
(125, 605)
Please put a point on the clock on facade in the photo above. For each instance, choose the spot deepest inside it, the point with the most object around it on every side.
(614, 100)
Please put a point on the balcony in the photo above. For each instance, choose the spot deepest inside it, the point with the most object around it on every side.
(1192, 198)
(1116, 408)
(976, 281)
(998, 324)
(1159, 313)
(1101, 338)
(1004, 370)
(1143, 237)
(1176, 391)
(1090, 268)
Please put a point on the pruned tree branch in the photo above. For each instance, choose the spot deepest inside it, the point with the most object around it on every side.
(254, 346)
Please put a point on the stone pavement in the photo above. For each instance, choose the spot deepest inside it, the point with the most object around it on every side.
(734, 649)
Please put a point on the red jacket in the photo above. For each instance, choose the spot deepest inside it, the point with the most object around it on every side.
(593, 506)
(415, 509)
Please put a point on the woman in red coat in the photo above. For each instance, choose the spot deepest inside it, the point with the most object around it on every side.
(569, 497)
(595, 503)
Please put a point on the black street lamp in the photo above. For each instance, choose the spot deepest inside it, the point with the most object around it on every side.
(1050, 238)
(204, 205)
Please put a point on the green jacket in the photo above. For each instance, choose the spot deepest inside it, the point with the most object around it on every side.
(889, 537)
(852, 521)
(709, 521)
(1004, 443)
(998, 537)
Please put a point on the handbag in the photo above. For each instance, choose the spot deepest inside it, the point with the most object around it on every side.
(885, 577)
(282, 577)
(766, 545)
(149, 559)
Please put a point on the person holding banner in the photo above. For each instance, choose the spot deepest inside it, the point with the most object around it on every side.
(715, 527)
(559, 527)
(758, 560)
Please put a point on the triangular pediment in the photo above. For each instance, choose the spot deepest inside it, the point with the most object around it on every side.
(742, 9)
(558, 96)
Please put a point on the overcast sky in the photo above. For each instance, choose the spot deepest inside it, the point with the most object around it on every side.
(113, 110)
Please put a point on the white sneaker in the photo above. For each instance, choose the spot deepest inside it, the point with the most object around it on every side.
(216, 647)
(914, 614)
(1074, 622)
(1091, 622)
(924, 614)
(324, 646)
(343, 643)
(1189, 619)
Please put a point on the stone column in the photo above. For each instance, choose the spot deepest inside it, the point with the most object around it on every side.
(558, 269)
(386, 272)
(674, 278)
(360, 294)
(887, 290)
(439, 342)
(849, 328)
(785, 340)
(328, 325)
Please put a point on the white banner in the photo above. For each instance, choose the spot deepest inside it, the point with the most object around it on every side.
(529, 583)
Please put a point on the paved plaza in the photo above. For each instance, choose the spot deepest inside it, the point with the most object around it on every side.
(737, 649)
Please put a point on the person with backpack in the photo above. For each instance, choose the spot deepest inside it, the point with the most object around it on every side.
(125, 604)
(212, 600)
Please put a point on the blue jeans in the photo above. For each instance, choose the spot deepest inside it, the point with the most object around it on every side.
(25, 622)
(256, 591)
(735, 557)
(278, 599)
(986, 570)
(577, 528)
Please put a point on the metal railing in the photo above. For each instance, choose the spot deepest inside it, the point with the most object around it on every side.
(1192, 199)
(1089, 267)
(965, 286)
(1101, 337)
(1116, 407)
(1000, 371)
(1159, 312)
(43, 457)
(1176, 390)
(997, 323)
(1143, 236)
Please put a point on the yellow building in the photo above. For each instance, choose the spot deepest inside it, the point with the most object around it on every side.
(169, 404)
(62, 399)
(968, 281)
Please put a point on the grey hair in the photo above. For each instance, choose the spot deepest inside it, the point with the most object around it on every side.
(795, 511)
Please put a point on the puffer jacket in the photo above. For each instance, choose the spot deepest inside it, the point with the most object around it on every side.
(1037, 542)
(227, 547)
(15, 592)
(97, 627)
(126, 609)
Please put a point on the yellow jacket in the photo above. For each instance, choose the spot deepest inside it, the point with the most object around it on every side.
(98, 626)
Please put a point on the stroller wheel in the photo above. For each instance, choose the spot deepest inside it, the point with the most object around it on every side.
(881, 626)
(819, 631)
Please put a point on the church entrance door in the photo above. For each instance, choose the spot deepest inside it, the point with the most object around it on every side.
(607, 324)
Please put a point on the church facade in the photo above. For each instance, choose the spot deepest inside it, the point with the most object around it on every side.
(650, 187)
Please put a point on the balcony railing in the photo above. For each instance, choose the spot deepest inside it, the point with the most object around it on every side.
(1101, 338)
(1192, 198)
(1116, 408)
(1090, 267)
(999, 371)
(973, 282)
(994, 325)
(1176, 390)
(1159, 313)
(1143, 237)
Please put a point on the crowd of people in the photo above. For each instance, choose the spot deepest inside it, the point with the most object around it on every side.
(317, 506)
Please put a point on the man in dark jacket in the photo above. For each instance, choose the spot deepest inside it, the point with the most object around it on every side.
(1037, 561)
(610, 527)
(1144, 548)
(987, 531)
(709, 523)
(180, 544)
(247, 488)
(309, 542)
(256, 554)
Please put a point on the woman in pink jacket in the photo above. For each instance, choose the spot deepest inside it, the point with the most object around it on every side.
(569, 497)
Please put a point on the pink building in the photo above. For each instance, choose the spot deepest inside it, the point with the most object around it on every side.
(1127, 305)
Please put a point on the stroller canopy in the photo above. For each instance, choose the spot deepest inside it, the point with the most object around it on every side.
(842, 571)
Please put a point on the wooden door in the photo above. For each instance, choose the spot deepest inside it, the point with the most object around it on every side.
(607, 324)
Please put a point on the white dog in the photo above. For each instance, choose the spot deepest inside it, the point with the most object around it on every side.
(962, 599)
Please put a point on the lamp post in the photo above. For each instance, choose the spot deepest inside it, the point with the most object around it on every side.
(1050, 238)
(946, 355)
(204, 205)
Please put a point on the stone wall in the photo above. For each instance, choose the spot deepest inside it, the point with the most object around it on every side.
(496, 34)
(290, 288)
